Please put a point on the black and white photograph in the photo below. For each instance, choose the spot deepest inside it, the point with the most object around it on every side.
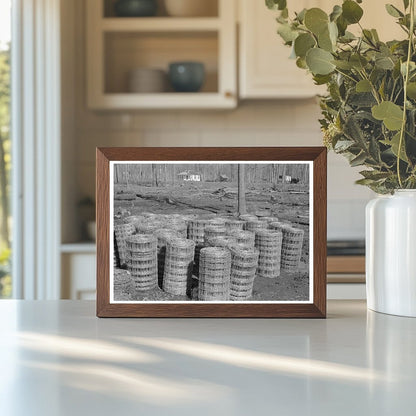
(211, 232)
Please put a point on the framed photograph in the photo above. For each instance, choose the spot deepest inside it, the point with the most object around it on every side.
(211, 232)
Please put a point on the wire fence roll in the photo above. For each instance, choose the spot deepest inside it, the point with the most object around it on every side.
(142, 261)
(269, 245)
(135, 220)
(196, 230)
(177, 276)
(213, 231)
(123, 285)
(121, 233)
(246, 238)
(163, 235)
(223, 241)
(244, 262)
(214, 274)
(292, 248)
(248, 217)
(234, 225)
(255, 225)
(179, 225)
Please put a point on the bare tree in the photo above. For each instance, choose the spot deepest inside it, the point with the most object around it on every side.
(242, 206)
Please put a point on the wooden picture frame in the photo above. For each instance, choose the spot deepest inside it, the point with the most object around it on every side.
(314, 157)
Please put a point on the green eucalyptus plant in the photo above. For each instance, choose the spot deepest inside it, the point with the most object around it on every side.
(369, 112)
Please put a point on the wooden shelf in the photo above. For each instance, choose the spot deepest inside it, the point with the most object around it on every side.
(346, 264)
(87, 247)
(128, 101)
(116, 45)
(160, 24)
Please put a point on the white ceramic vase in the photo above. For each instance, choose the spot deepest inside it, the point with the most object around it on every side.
(391, 253)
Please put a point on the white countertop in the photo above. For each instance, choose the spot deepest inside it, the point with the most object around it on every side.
(56, 358)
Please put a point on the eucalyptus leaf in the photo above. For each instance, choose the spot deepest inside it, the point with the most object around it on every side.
(351, 11)
(385, 62)
(325, 42)
(393, 11)
(358, 61)
(343, 145)
(303, 43)
(320, 61)
(345, 65)
(287, 33)
(321, 79)
(388, 112)
(411, 90)
(316, 20)
(394, 145)
(276, 4)
(358, 160)
(301, 63)
(301, 15)
(336, 12)
(363, 86)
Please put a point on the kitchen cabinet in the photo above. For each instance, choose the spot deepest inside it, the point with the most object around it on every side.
(78, 263)
(265, 70)
(118, 45)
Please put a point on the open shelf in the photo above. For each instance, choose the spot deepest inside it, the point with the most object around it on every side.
(119, 45)
(126, 51)
(211, 9)
(160, 24)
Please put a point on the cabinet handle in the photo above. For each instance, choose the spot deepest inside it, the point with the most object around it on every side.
(229, 94)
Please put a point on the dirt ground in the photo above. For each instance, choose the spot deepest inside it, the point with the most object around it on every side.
(288, 202)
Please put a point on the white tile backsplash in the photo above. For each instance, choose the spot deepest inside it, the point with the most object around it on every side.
(258, 123)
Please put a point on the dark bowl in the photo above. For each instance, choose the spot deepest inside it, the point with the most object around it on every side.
(135, 8)
(187, 76)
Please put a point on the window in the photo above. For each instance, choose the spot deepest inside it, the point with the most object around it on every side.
(5, 147)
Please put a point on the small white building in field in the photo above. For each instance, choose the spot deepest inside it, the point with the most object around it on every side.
(188, 175)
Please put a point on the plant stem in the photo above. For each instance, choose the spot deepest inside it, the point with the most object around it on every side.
(406, 80)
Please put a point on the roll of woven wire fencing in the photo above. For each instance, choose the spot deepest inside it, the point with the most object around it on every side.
(213, 231)
(244, 262)
(121, 233)
(246, 238)
(255, 225)
(142, 261)
(163, 235)
(196, 233)
(223, 241)
(292, 248)
(123, 285)
(214, 274)
(178, 266)
(269, 245)
(179, 225)
(234, 225)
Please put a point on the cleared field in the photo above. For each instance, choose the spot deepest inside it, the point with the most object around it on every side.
(288, 202)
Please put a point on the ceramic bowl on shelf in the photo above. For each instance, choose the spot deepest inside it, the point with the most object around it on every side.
(186, 76)
(147, 81)
(135, 8)
(191, 8)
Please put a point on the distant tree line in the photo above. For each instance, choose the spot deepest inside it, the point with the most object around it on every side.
(158, 174)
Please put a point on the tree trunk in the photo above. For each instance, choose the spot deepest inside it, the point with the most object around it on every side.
(242, 207)
(4, 196)
(154, 175)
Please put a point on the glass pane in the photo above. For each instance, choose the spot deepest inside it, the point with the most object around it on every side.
(5, 145)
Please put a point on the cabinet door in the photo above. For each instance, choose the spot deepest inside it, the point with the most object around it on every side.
(78, 276)
(265, 68)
